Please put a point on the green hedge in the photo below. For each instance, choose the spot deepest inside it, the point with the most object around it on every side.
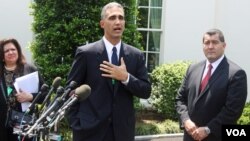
(245, 117)
(166, 80)
(156, 127)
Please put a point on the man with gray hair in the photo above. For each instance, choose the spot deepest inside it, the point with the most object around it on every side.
(115, 72)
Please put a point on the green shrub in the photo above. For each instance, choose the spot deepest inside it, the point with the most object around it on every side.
(166, 80)
(137, 104)
(245, 117)
(146, 129)
(169, 126)
(156, 127)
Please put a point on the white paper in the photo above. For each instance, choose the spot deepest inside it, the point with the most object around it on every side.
(27, 83)
(25, 106)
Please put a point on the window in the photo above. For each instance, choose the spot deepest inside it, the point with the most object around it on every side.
(149, 25)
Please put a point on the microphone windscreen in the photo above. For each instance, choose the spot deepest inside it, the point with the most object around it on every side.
(83, 92)
(72, 84)
(44, 87)
(60, 90)
(56, 82)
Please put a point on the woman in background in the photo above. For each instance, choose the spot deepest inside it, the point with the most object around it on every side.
(12, 66)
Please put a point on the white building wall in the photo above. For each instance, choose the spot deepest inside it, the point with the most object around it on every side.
(184, 23)
(15, 21)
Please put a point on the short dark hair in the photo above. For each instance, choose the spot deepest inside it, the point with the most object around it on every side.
(214, 31)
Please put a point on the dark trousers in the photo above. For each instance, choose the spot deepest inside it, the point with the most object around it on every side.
(110, 133)
(95, 136)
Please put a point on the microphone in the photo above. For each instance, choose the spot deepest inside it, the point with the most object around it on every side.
(53, 107)
(54, 86)
(41, 93)
(59, 92)
(80, 94)
(71, 86)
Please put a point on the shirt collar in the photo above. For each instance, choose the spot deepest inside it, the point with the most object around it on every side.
(109, 46)
(216, 63)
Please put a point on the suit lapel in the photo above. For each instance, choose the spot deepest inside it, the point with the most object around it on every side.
(101, 56)
(125, 54)
(220, 70)
(217, 73)
(198, 81)
(200, 74)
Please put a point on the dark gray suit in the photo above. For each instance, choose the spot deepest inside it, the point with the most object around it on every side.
(107, 103)
(220, 103)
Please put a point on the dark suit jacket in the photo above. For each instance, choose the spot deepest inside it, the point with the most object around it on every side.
(107, 102)
(221, 102)
(27, 68)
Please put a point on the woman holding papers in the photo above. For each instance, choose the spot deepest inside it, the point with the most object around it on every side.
(12, 66)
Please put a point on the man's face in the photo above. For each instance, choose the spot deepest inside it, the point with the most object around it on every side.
(113, 23)
(213, 48)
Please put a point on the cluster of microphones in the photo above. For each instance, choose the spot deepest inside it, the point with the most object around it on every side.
(52, 109)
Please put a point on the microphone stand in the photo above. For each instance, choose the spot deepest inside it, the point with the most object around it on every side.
(56, 119)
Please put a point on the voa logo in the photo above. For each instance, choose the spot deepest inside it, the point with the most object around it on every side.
(236, 132)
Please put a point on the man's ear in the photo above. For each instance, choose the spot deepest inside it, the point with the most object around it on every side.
(102, 24)
(225, 45)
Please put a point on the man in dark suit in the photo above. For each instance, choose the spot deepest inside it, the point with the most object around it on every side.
(108, 113)
(203, 111)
